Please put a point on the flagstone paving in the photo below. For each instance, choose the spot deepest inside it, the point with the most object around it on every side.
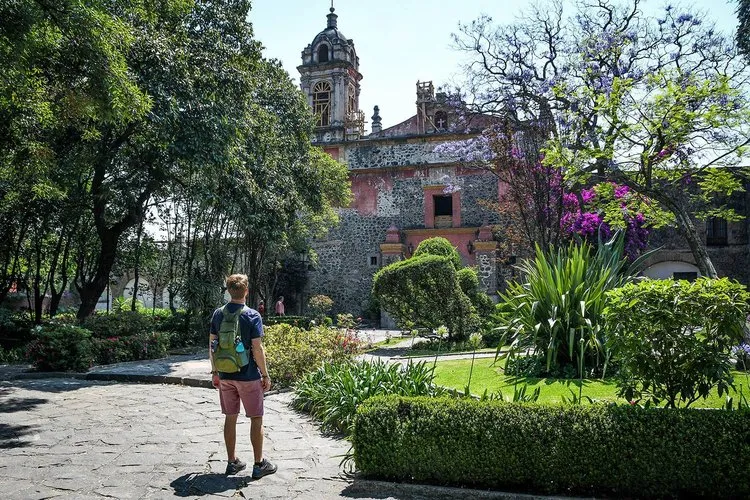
(71, 437)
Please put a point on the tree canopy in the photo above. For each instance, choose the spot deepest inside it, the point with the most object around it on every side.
(658, 104)
(114, 112)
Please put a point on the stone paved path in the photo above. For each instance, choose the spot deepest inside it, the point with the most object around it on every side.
(77, 438)
(65, 437)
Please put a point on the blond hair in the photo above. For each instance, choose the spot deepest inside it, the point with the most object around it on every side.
(237, 286)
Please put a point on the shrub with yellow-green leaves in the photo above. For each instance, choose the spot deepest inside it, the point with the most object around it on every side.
(292, 352)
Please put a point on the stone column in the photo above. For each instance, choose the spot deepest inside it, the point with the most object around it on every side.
(485, 249)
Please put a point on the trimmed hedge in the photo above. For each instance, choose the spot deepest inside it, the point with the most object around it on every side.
(592, 449)
(299, 321)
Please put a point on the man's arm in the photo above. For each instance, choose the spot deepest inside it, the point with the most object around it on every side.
(211, 338)
(259, 355)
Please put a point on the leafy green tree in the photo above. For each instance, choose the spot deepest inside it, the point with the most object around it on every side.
(673, 339)
(63, 70)
(657, 104)
(113, 111)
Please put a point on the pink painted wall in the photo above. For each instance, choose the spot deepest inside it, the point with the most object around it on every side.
(458, 240)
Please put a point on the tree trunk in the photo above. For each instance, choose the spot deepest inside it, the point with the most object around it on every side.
(92, 290)
(687, 228)
(136, 267)
(54, 303)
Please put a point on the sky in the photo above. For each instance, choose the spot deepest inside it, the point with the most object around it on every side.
(402, 41)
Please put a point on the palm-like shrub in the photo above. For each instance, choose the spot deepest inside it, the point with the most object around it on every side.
(556, 313)
(332, 393)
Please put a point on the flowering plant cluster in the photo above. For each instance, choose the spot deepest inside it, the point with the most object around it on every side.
(601, 210)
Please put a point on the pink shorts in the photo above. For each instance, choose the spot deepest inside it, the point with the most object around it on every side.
(250, 392)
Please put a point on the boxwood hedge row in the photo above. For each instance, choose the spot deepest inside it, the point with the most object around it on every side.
(589, 449)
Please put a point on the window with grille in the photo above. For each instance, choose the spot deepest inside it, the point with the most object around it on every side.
(716, 231)
(322, 103)
(323, 53)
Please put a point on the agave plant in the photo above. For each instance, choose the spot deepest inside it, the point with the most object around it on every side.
(557, 312)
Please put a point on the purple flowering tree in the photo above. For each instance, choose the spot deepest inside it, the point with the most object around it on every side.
(535, 205)
(530, 198)
(657, 104)
(603, 209)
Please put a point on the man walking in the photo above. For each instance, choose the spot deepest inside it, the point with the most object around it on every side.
(280, 306)
(246, 385)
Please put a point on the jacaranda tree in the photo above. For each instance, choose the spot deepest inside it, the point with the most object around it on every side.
(654, 103)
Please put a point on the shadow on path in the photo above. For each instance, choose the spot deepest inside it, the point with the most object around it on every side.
(11, 435)
(192, 485)
(389, 352)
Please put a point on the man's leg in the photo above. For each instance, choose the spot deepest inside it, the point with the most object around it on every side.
(256, 437)
(230, 436)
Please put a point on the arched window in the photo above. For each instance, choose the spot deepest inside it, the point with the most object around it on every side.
(441, 120)
(323, 53)
(322, 103)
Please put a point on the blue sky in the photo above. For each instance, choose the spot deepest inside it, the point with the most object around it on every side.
(401, 41)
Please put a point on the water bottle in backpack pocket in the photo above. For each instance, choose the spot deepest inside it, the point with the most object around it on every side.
(230, 354)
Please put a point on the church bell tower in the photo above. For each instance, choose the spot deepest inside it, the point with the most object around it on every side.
(329, 77)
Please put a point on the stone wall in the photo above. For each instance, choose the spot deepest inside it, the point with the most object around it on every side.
(380, 154)
(394, 195)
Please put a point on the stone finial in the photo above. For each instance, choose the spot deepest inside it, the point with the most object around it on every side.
(332, 23)
(377, 124)
(392, 235)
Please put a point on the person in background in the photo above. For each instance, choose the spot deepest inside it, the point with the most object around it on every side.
(262, 308)
(280, 306)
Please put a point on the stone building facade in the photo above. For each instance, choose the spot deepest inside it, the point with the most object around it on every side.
(406, 190)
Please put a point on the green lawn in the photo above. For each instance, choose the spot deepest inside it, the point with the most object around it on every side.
(455, 374)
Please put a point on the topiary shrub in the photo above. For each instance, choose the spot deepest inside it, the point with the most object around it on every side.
(674, 339)
(424, 292)
(441, 247)
(608, 450)
(60, 347)
(468, 280)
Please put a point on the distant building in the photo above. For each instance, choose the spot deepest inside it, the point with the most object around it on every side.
(405, 192)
